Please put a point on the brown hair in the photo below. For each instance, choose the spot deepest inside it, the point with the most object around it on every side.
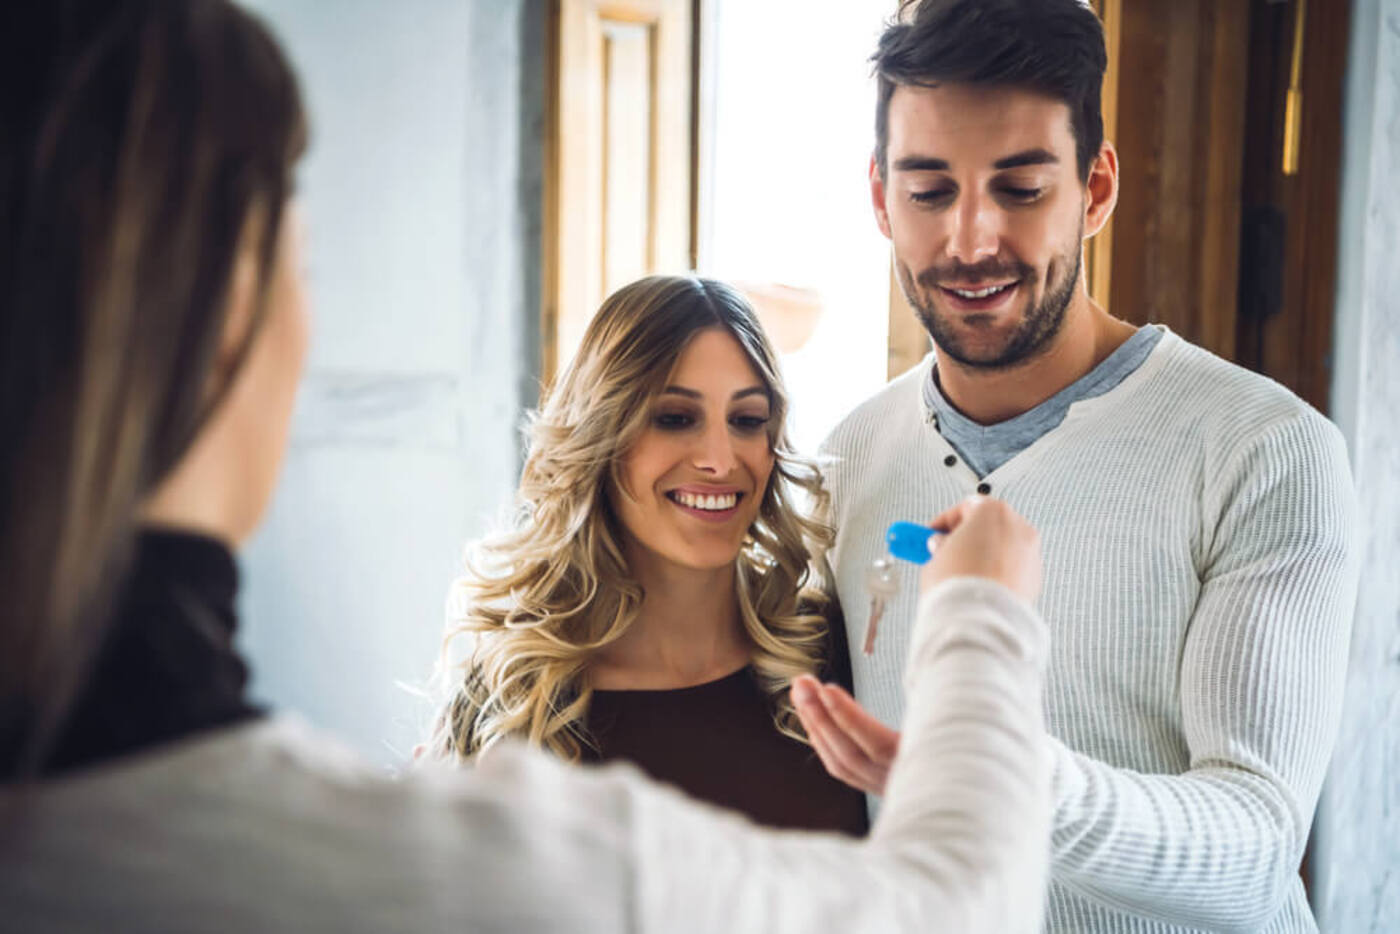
(144, 136)
(1055, 47)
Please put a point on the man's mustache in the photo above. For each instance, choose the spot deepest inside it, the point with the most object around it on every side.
(962, 273)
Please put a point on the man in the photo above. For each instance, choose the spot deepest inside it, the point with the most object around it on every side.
(1197, 519)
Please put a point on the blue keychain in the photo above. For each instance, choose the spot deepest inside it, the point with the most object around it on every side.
(907, 541)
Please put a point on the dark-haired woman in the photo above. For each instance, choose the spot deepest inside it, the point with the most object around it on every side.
(153, 330)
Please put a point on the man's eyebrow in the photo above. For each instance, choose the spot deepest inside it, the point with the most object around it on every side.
(1029, 157)
(921, 164)
(1015, 161)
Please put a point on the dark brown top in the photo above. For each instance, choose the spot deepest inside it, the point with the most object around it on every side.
(717, 742)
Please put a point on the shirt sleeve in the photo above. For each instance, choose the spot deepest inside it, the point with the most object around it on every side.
(1261, 684)
(962, 841)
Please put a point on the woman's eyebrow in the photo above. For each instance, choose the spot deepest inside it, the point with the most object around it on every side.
(694, 394)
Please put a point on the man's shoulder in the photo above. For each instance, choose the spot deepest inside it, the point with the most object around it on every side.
(1228, 398)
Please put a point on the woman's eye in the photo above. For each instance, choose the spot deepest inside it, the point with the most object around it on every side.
(673, 421)
(749, 423)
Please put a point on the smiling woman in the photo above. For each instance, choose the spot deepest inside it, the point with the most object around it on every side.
(691, 483)
(651, 602)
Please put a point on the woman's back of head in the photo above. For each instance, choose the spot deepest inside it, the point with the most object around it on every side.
(143, 140)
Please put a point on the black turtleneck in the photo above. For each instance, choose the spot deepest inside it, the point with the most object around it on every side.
(168, 668)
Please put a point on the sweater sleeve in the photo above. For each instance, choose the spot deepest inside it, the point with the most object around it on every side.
(1261, 683)
(961, 844)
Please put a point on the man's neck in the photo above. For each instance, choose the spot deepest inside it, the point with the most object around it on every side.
(988, 396)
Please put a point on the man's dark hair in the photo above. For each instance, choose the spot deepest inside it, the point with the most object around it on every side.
(1054, 47)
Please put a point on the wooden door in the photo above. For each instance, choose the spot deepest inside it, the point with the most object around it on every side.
(619, 159)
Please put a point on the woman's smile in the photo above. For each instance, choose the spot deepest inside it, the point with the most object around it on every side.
(716, 506)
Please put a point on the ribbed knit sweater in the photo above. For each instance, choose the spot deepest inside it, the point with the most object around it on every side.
(274, 827)
(1199, 529)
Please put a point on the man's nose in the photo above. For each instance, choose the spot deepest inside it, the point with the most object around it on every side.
(976, 233)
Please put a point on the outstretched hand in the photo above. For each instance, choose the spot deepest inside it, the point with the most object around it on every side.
(985, 538)
(853, 746)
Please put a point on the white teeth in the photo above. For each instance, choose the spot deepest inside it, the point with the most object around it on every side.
(715, 503)
(980, 293)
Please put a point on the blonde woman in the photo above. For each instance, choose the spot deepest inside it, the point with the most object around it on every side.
(652, 602)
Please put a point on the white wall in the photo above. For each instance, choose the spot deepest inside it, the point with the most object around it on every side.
(421, 197)
(1357, 857)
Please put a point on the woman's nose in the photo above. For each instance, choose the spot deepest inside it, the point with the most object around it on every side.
(714, 451)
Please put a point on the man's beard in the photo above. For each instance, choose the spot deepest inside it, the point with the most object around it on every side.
(1035, 332)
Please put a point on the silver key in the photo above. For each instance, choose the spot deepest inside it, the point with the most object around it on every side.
(882, 581)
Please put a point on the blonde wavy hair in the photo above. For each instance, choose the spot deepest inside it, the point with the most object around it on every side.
(540, 599)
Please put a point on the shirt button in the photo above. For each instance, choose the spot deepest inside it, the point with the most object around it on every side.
(984, 488)
(949, 461)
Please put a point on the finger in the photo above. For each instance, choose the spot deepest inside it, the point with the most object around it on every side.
(813, 722)
(841, 757)
(804, 690)
(816, 722)
(810, 711)
(877, 741)
(850, 763)
(954, 516)
(833, 766)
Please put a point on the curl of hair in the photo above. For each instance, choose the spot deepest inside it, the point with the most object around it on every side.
(538, 600)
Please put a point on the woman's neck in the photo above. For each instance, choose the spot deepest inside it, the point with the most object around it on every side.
(688, 630)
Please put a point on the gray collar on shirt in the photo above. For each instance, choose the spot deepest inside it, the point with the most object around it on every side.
(986, 447)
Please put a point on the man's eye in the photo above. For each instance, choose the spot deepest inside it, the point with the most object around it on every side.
(1022, 194)
(672, 421)
(930, 197)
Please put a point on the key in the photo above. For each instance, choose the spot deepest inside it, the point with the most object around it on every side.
(882, 581)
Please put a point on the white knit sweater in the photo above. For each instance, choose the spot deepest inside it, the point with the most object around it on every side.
(1199, 529)
(273, 827)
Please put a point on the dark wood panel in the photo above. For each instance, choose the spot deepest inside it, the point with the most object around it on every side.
(1181, 101)
(1294, 344)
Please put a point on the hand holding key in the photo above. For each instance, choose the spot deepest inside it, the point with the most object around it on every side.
(907, 541)
(985, 538)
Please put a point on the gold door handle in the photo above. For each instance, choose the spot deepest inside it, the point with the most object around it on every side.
(1293, 103)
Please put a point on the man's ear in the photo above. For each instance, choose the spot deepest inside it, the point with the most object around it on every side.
(877, 198)
(1102, 187)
